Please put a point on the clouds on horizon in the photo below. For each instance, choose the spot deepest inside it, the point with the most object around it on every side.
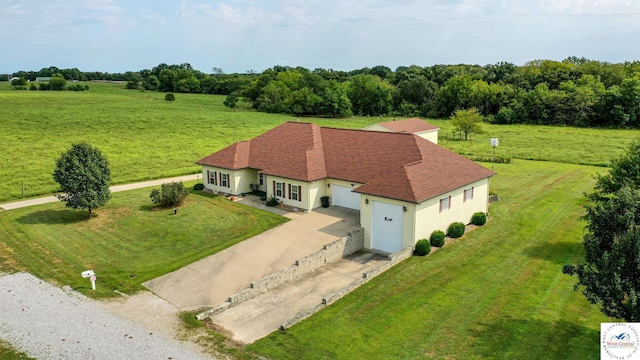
(238, 35)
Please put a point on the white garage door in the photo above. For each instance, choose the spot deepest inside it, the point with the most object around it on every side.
(386, 227)
(342, 196)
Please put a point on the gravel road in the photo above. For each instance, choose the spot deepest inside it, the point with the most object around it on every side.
(47, 323)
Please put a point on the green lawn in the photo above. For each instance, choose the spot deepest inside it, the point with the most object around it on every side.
(8, 352)
(145, 137)
(127, 242)
(498, 292)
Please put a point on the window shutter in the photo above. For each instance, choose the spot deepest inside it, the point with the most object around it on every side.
(215, 178)
(274, 188)
(289, 191)
(449, 201)
(299, 193)
(440, 205)
(208, 177)
(472, 192)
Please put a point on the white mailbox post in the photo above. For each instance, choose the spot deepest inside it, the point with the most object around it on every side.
(92, 276)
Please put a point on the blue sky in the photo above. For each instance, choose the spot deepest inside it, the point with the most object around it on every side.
(241, 35)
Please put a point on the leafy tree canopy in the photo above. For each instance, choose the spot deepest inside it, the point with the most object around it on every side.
(83, 174)
(610, 275)
(468, 121)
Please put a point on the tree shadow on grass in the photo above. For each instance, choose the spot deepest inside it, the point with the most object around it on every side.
(559, 253)
(535, 339)
(54, 217)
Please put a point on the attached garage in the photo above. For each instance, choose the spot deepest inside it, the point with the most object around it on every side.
(343, 196)
(386, 226)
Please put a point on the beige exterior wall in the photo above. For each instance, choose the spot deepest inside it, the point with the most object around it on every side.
(307, 198)
(429, 218)
(431, 135)
(332, 182)
(317, 189)
(420, 220)
(232, 183)
(408, 219)
(376, 127)
(242, 180)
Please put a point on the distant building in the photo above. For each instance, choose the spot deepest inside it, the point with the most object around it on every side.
(43, 78)
(14, 78)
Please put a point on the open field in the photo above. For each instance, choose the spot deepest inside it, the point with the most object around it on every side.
(127, 242)
(145, 137)
(498, 292)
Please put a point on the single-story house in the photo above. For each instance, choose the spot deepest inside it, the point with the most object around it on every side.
(43, 78)
(404, 186)
(412, 126)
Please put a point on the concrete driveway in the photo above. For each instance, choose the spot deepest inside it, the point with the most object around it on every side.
(212, 280)
(265, 313)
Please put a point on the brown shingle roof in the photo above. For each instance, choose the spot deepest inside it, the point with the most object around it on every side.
(394, 165)
(412, 125)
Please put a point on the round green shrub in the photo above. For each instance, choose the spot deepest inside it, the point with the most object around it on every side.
(198, 186)
(422, 248)
(437, 238)
(170, 97)
(479, 218)
(456, 230)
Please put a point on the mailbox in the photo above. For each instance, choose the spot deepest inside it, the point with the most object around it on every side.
(88, 273)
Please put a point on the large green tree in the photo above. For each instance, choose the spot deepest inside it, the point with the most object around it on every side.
(57, 83)
(610, 275)
(468, 121)
(83, 174)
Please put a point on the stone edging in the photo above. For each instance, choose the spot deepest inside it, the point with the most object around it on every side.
(329, 253)
(366, 276)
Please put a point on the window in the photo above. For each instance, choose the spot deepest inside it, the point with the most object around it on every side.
(294, 192)
(261, 179)
(445, 203)
(224, 180)
(211, 176)
(468, 194)
(278, 188)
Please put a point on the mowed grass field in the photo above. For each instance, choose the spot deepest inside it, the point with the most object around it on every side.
(496, 293)
(145, 137)
(127, 242)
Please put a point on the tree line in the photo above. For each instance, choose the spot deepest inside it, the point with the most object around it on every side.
(574, 91)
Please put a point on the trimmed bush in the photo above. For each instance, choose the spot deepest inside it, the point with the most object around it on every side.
(422, 248)
(273, 201)
(479, 219)
(170, 97)
(456, 230)
(437, 238)
(170, 194)
(198, 186)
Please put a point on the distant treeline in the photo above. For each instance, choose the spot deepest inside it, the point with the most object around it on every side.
(575, 91)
